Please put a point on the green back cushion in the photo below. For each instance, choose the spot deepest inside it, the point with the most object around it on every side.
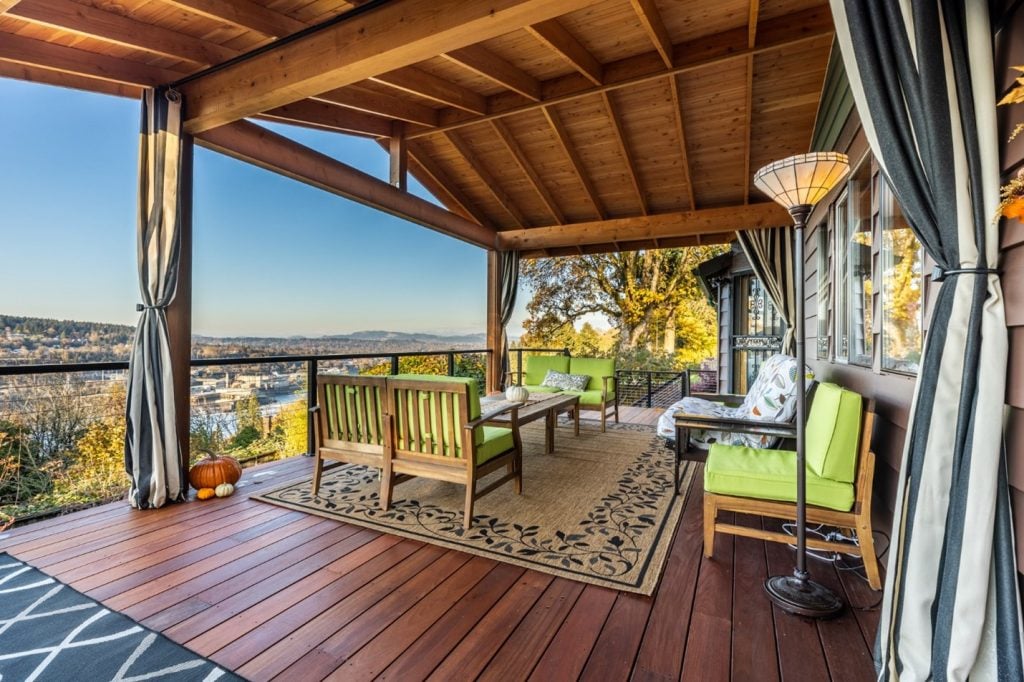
(596, 368)
(424, 404)
(349, 400)
(833, 433)
(537, 366)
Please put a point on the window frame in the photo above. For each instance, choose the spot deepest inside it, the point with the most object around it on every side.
(887, 201)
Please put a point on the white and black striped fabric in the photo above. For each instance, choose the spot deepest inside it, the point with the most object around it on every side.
(152, 453)
(922, 77)
(509, 264)
(770, 252)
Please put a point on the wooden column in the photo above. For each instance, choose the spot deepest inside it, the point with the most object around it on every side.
(179, 313)
(494, 320)
(399, 156)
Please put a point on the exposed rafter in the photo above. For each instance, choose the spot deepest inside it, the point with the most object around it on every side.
(6, 5)
(555, 36)
(330, 117)
(492, 185)
(660, 227)
(244, 14)
(419, 82)
(261, 147)
(620, 138)
(443, 187)
(651, 20)
(482, 61)
(716, 49)
(392, 36)
(509, 141)
(382, 104)
(35, 74)
(562, 135)
(677, 109)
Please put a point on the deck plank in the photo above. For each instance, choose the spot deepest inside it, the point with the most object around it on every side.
(571, 646)
(753, 626)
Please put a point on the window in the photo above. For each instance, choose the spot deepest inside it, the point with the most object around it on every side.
(902, 290)
(824, 237)
(858, 262)
(841, 232)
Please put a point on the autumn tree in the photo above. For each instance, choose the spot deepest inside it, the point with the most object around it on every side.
(248, 421)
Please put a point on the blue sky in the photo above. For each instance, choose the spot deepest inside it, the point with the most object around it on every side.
(272, 256)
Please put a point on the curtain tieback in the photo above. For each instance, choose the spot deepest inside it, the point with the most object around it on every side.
(139, 307)
(938, 274)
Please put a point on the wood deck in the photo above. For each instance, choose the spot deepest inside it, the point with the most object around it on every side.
(274, 593)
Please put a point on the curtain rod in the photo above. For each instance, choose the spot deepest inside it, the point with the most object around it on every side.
(298, 35)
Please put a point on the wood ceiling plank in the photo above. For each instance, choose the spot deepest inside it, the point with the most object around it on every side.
(718, 49)
(243, 13)
(562, 135)
(121, 30)
(556, 37)
(434, 178)
(392, 36)
(382, 104)
(509, 141)
(21, 50)
(261, 147)
(419, 82)
(755, 7)
(651, 20)
(708, 221)
(482, 61)
(488, 180)
(677, 98)
(620, 138)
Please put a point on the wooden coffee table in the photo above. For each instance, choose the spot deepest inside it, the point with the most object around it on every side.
(545, 406)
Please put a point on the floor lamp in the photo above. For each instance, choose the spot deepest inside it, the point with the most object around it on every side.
(798, 183)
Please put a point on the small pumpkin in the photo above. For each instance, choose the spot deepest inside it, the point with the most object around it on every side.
(224, 489)
(213, 470)
(205, 493)
(516, 394)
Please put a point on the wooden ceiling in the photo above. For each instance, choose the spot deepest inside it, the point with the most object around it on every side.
(559, 126)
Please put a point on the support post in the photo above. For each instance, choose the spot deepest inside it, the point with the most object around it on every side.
(398, 176)
(494, 331)
(312, 368)
(179, 312)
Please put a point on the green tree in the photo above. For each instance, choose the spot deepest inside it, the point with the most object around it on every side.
(249, 421)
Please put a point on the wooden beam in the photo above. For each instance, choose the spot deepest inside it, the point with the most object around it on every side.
(482, 61)
(381, 104)
(261, 147)
(442, 186)
(708, 221)
(120, 30)
(524, 164)
(651, 20)
(70, 60)
(562, 135)
(714, 50)
(677, 109)
(620, 137)
(35, 74)
(494, 330)
(398, 154)
(555, 36)
(419, 82)
(639, 245)
(488, 180)
(749, 103)
(5, 5)
(392, 36)
(244, 14)
(331, 117)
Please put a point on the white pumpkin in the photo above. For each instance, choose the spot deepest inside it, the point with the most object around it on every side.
(223, 490)
(516, 394)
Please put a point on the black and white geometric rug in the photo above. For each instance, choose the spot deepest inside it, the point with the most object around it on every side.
(48, 631)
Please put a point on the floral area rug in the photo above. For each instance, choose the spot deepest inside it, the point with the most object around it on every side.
(602, 509)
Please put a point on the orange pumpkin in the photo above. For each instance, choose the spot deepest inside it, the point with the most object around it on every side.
(205, 494)
(1015, 209)
(213, 470)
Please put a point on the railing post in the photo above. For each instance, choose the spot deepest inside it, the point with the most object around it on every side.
(683, 380)
(311, 371)
(394, 364)
(519, 365)
(451, 364)
(649, 401)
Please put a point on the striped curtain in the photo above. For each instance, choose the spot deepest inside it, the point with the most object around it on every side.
(770, 252)
(922, 77)
(152, 455)
(509, 263)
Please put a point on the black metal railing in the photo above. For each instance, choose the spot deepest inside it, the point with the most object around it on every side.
(661, 388)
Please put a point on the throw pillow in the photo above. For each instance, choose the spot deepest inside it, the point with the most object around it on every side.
(565, 382)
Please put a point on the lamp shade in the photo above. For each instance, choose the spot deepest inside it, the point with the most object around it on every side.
(804, 179)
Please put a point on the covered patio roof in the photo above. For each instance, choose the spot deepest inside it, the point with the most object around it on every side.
(547, 126)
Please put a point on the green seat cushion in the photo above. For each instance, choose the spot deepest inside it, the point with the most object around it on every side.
(496, 440)
(833, 433)
(536, 367)
(590, 397)
(769, 475)
(595, 368)
(542, 389)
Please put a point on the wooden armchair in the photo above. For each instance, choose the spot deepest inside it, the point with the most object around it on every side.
(840, 471)
(348, 422)
(436, 431)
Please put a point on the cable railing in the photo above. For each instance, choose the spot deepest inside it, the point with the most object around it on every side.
(661, 388)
